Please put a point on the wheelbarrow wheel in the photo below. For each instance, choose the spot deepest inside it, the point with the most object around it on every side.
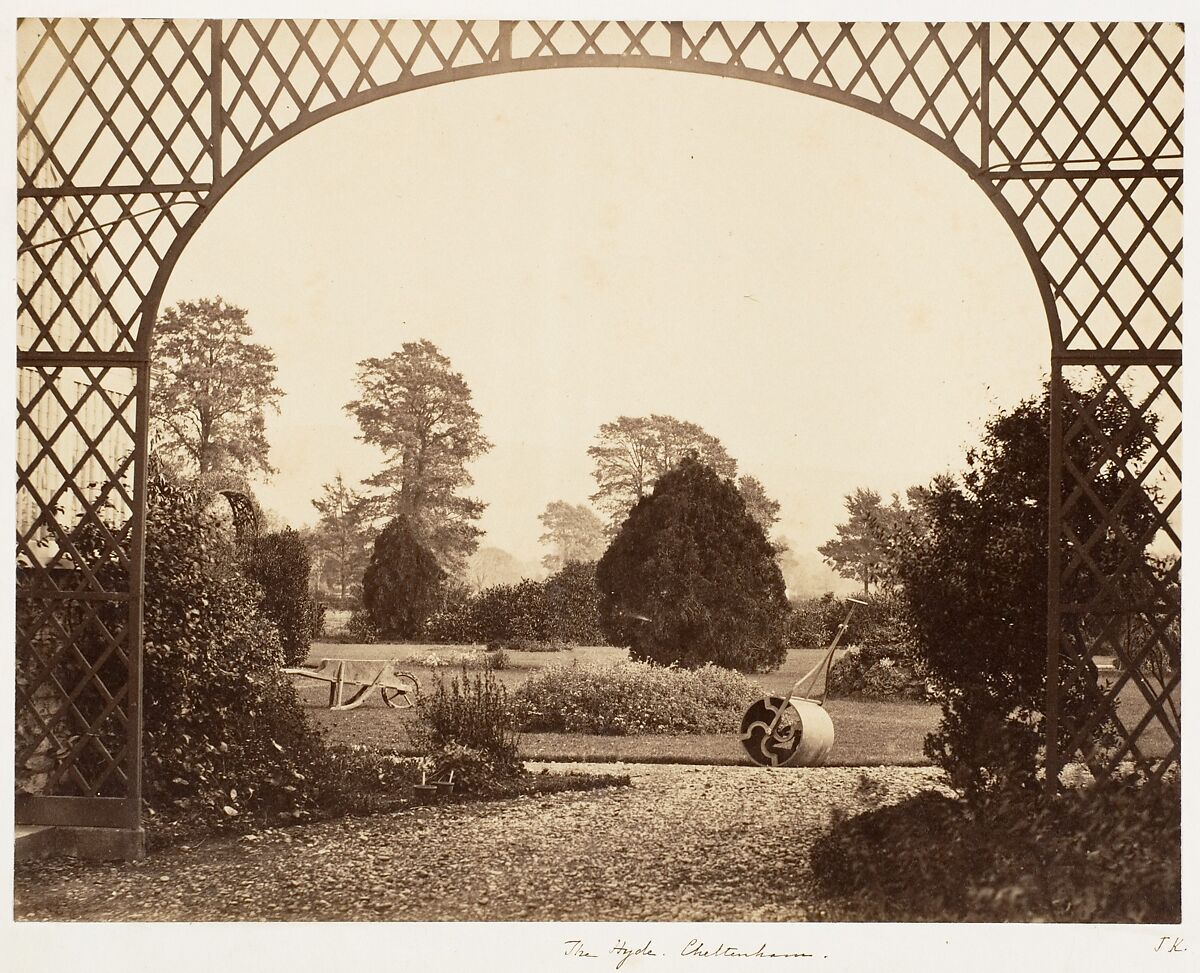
(404, 696)
(764, 747)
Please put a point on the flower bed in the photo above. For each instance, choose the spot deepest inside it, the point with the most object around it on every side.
(628, 698)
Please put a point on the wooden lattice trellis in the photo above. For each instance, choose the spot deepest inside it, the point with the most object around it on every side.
(130, 131)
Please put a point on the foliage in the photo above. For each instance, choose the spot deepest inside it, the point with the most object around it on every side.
(814, 622)
(280, 564)
(471, 770)
(360, 628)
(224, 734)
(761, 507)
(574, 533)
(632, 453)
(362, 781)
(489, 566)
(316, 621)
(1108, 855)
(862, 550)
(690, 578)
(471, 712)
(341, 540)
(974, 575)
(497, 659)
(629, 698)
(415, 408)
(401, 583)
(210, 388)
(562, 609)
(876, 670)
(573, 605)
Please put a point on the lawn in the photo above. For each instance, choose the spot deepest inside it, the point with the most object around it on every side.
(868, 732)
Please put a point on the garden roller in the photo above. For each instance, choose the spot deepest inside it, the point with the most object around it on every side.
(796, 731)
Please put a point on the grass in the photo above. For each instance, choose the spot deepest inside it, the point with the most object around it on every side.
(868, 732)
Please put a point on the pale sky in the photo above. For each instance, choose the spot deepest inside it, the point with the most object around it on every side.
(828, 295)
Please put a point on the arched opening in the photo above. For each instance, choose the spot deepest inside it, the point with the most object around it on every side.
(1100, 231)
(591, 244)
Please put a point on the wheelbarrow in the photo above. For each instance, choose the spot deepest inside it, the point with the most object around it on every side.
(794, 731)
(362, 675)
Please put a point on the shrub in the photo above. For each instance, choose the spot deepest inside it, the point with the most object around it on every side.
(973, 565)
(527, 645)
(627, 698)
(316, 620)
(876, 670)
(472, 770)
(472, 712)
(690, 577)
(814, 622)
(562, 609)
(401, 586)
(1089, 855)
(279, 562)
(497, 659)
(360, 628)
(573, 605)
(224, 734)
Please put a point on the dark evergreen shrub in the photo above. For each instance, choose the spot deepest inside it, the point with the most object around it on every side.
(690, 578)
(973, 566)
(402, 583)
(813, 622)
(280, 563)
(573, 604)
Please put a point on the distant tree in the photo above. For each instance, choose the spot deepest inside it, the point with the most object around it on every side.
(573, 531)
(632, 453)
(489, 566)
(862, 549)
(418, 410)
(690, 578)
(342, 538)
(210, 389)
(762, 508)
(402, 584)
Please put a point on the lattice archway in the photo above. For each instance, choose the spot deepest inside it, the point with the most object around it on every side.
(130, 131)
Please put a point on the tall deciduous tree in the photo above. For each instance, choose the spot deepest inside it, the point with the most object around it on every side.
(211, 388)
(418, 410)
(632, 453)
(573, 531)
(342, 538)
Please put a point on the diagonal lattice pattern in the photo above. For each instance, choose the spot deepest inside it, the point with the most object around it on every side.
(1120, 565)
(1084, 92)
(72, 698)
(1113, 250)
(929, 73)
(128, 130)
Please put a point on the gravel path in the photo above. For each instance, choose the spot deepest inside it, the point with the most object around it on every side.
(682, 843)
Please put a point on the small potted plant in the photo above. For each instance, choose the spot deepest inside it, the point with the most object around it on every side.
(424, 792)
